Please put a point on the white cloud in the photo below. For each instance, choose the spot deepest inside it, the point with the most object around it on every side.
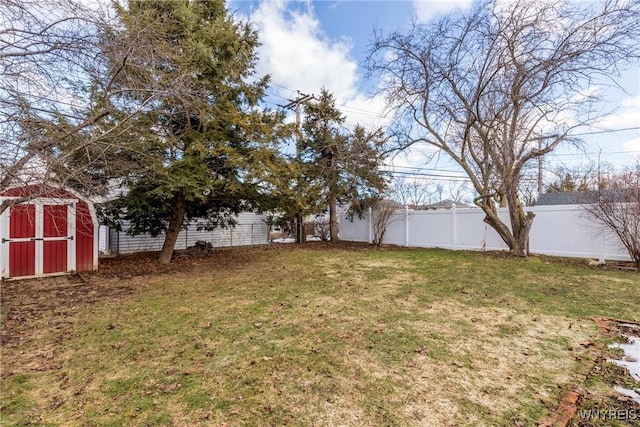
(632, 146)
(627, 115)
(298, 55)
(367, 111)
(427, 9)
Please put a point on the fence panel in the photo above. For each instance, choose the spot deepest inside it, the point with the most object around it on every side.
(250, 229)
(395, 229)
(356, 230)
(557, 230)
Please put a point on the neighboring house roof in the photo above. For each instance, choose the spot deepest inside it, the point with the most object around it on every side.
(444, 204)
(584, 197)
(394, 203)
(572, 198)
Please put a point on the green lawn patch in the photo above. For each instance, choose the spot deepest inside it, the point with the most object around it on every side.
(314, 335)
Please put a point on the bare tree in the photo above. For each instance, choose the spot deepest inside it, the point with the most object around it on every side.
(587, 176)
(414, 191)
(56, 121)
(499, 86)
(382, 213)
(617, 208)
(458, 191)
(41, 49)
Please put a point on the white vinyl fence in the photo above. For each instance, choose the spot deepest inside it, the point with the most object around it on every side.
(250, 229)
(564, 230)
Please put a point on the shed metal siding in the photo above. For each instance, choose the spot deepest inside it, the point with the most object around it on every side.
(84, 238)
(65, 239)
(55, 224)
(250, 229)
(22, 255)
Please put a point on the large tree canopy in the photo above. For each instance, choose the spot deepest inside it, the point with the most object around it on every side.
(188, 67)
(503, 84)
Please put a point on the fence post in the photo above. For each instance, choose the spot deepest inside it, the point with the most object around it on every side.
(370, 219)
(603, 248)
(454, 226)
(406, 226)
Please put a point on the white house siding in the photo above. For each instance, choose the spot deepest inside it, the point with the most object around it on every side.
(103, 239)
(250, 229)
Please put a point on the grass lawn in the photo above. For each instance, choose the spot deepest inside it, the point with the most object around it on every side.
(322, 335)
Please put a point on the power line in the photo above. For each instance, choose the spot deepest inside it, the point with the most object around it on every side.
(606, 153)
(381, 116)
(424, 168)
(276, 95)
(430, 175)
(597, 132)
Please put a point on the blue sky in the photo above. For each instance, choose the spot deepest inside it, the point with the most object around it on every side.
(310, 44)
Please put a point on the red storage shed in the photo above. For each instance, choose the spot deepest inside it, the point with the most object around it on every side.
(54, 231)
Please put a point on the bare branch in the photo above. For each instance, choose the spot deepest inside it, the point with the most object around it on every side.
(502, 85)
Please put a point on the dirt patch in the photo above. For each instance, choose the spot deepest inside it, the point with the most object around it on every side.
(27, 304)
(145, 264)
(55, 300)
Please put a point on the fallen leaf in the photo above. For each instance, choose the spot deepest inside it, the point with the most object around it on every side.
(421, 350)
(172, 387)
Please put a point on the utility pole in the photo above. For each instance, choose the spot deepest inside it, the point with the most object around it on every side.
(296, 104)
(539, 169)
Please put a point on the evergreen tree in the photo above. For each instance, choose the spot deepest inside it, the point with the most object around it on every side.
(345, 164)
(187, 67)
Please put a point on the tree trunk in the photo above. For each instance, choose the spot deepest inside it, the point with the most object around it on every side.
(299, 229)
(516, 238)
(333, 219)
(491, 218)
(521, 223)
(175, 223)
